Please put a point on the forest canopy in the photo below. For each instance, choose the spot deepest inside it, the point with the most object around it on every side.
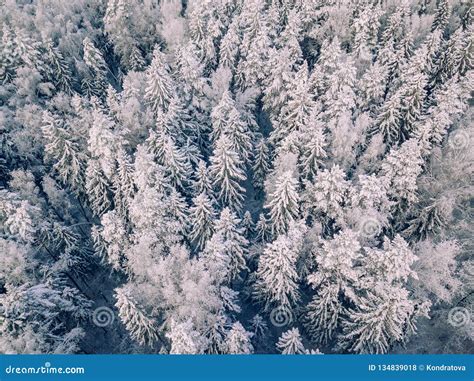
(236, 176)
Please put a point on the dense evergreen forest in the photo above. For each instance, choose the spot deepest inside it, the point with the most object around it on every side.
(236, 176)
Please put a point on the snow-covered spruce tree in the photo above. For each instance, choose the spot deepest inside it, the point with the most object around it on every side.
(229, 46)
(201, 216)
(381, 320)
(9, 57)
(65, 150)
(103, 142)
(154, 229)
(97, 188)
(59, 70)
(313, 149)
(233, 240)
(36, 308)
(227, 173)
(159, 90)
(202, 182)
(262, 230)
(114, 239)
(284, 203)
(185, 339)
(118, 25)
(94, 59)
(122, 183)
(259, 326)
(441, 15)
(252, 71)
(140, 326)
(277, 279)
(190, 74)
(336, 261)
(327, 193)
(261, 162)
(388, 121)
(296, 112)
(248, 224)
(386, 314)
(222, 115)
(402, 167)
(171, 157)
(278, 83)
(290, 343)
(238, 340)
(203, 29)
(226, 120)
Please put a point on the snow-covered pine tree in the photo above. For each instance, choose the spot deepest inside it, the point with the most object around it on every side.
(9, 58)
(402, 167)
(238, 340)
(233, 240)
(261, 162)
(248, 225)
(95, 61)
(65, 150)
(227, 173)
(334, 278)
(277, 279)
(283, 204)
(98, 188)
(226, 120)
(141, 327)
(201, 215)
(328, 192)
(171, 157)
(160, 88)
(441, 15)
(262, 230)
(59, 70)
(185, 339)
(290, 343)
(295, 113)
(122, 183)
(313, 149)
